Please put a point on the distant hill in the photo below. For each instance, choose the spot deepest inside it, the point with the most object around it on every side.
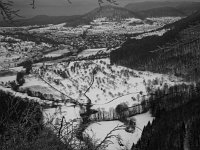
(40, 20)
(173, 127)
(112, 12)
(189, 8)
(184, 23)
(162, 12)
(142, 6)
(109, 11)
(185, 7)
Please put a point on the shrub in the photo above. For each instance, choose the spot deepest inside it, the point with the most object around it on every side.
(122, 111)
(20, 78)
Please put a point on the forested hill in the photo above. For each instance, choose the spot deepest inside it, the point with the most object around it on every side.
(177, 51)
(111, 12)
(175, 129)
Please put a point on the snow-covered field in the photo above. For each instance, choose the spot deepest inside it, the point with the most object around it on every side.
(90, 52)
(36, 85)
(57, 53)
(98, 131)
(8, 78)
(52, 55)
(110, 82)
(9, 75)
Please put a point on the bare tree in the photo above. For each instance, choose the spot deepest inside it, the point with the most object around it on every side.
(7, 11)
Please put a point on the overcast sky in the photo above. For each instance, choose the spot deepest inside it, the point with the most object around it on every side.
(61, 7)
(58, 7)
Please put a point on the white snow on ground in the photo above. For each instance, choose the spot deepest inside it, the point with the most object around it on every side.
(90, 52)
(7, 78)
(70, 113)
(57, 53)
(158, 33)
(99, 130)
(164, 19)
(132, 20)
(32, 81)
(125, 99)
(17, 69)
(110, 82)
(71, 121)
(35, 84)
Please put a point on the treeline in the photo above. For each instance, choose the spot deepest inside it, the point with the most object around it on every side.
(181, 60)
(164, 99)
(174, 128)
(175, 97)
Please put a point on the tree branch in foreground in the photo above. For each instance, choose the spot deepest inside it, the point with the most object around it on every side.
(7, 11)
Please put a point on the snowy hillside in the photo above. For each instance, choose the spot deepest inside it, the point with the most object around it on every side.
(110, 82)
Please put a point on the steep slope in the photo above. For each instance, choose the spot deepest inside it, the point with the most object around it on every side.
(180, 58)
(176, 129)
(162, 12)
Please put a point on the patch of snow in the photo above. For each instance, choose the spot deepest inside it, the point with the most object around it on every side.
(90, 52)
(70, 113)
(7, 78)
(158, 33)
(52, 55)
